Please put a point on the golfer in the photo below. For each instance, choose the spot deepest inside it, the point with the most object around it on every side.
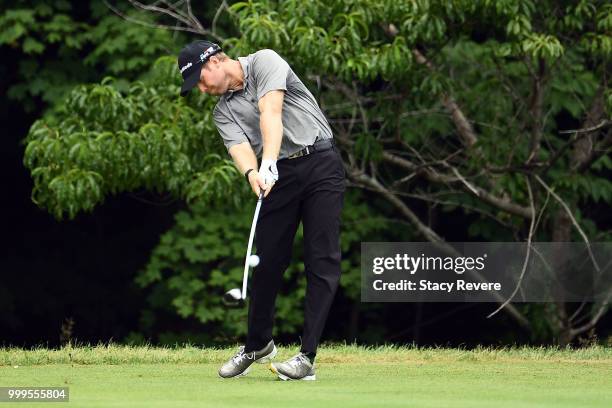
(265, 112)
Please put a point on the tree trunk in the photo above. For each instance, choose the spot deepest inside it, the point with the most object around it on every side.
(562, 228)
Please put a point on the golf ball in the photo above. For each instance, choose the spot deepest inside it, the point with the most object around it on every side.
(253, 260)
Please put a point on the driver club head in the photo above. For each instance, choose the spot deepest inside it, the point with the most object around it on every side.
(233, 298)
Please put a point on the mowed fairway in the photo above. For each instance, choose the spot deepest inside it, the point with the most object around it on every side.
(347, 376)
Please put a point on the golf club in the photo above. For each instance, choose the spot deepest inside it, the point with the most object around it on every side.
(236, 297)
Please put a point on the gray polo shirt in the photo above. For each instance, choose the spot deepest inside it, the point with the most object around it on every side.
(236, 114)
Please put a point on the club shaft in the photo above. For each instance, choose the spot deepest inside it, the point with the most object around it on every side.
(245, 276)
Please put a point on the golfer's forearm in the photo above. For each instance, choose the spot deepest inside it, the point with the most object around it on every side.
(272, 134)
(243, 156)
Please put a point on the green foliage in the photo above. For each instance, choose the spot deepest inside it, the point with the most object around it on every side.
(125, 49)
(105, 141)
(338, 41)
(542, 46)
(59, 50)
(367, 148)
(573, 86)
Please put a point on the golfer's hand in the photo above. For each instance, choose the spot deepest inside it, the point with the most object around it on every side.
(267, 176)
(257, 183)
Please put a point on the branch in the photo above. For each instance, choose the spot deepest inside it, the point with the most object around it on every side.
(604, 123)
(429, 234)
(193, 17)
(583, 133)
(583, 150)
(175, 15)
(600, 312)
(536, 111)
(189, 28)
(432, 175)
(431, 199)
(468, 136)
(525, 263)
(464, 181)
(569, 213)
(527, 168)
(222, 6)
(484, 195)
(604, 147)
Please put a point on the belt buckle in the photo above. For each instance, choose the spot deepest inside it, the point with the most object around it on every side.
(299, 153)
(305, 151)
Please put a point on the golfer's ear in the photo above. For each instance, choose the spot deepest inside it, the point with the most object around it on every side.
(213, 60)
(272, 102)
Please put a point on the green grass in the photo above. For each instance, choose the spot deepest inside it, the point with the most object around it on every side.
(347, 376)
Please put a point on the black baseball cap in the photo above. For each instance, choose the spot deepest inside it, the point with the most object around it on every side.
(191, 59)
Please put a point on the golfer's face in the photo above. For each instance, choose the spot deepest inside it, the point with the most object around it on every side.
(212, 80)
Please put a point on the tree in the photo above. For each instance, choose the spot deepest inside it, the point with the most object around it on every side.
(438, 106)
(58, 49)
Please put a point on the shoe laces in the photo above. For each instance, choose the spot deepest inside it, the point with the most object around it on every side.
(297, 360)
(241, 355)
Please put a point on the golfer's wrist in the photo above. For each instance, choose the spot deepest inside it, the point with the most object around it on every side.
(248, 173)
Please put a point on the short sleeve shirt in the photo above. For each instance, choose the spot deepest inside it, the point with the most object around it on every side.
(236, 114)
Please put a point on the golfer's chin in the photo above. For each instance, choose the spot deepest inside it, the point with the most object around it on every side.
(216, 92)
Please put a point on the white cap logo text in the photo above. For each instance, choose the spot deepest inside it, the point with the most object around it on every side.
(185, 67)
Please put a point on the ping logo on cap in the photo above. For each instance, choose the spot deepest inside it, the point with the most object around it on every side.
(207, 53)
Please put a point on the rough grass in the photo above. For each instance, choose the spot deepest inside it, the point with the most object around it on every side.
(347, 376)
(329, 353)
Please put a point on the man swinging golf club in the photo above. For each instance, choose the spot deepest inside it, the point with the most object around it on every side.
(265, 111)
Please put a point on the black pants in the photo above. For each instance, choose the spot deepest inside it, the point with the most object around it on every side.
(309, 189)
